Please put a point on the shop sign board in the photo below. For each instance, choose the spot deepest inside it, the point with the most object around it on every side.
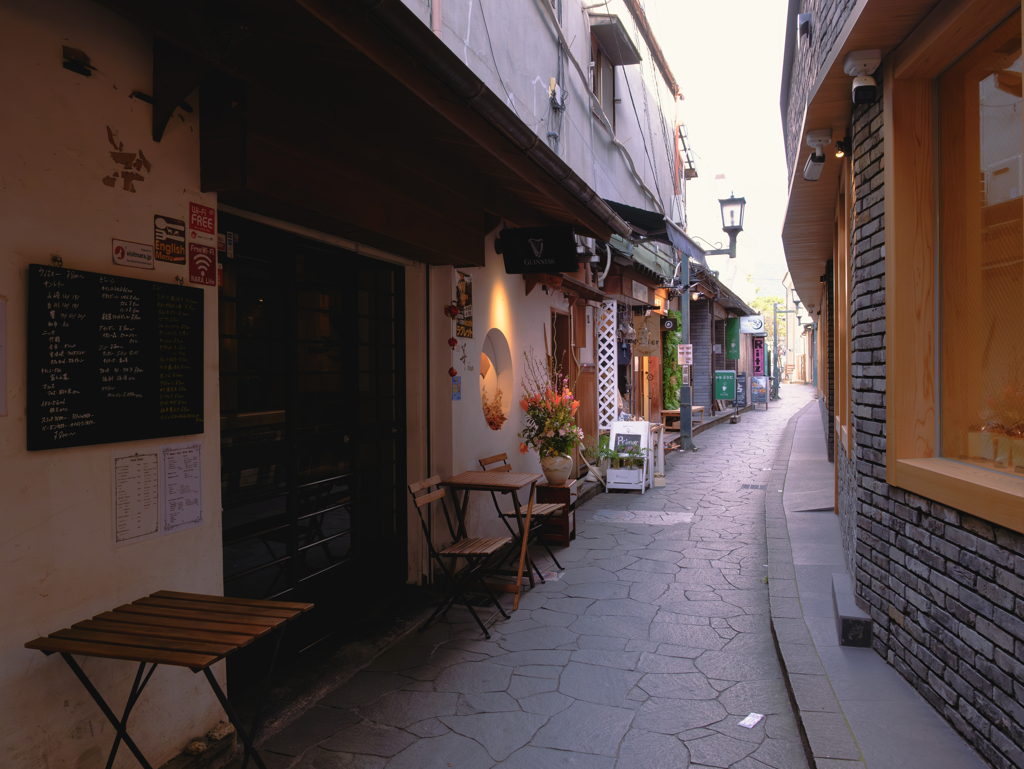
(732, 339)
(129, 254)
(169, 239)
(758, 354)
(537, 249)
(741, 389)
(759, 389)
(648, 336)
(685, 355)
(725, 385)
(640, 291)
(752, 324)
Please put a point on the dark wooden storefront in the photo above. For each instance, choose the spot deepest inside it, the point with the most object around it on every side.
(313, 435)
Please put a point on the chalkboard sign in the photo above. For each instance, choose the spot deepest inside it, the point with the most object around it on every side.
(111, 359)
(624, 442)
(741, 389)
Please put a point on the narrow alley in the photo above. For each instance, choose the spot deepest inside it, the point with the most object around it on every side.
(647, 651)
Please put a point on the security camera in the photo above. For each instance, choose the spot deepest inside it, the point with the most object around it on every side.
(860, 65)
(817, 140)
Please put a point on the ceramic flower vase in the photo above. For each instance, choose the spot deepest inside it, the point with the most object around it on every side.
(556, 469)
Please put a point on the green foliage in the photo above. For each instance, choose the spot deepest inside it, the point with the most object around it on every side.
(671, 376)
(763, 305)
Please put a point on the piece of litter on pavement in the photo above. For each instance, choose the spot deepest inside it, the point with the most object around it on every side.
(551, 576)
(751, 720)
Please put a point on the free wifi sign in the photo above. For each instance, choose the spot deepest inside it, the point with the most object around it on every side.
(202, 264)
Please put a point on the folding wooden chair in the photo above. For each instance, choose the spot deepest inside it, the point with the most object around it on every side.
(476, 551)
(541, 512)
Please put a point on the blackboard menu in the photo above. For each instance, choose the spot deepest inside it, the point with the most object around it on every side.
(111, 359)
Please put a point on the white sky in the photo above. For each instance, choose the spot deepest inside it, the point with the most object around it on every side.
(726, 56)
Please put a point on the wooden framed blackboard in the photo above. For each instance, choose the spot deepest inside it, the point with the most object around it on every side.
(111, 359)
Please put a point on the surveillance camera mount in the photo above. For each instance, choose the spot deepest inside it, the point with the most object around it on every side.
(862, 63)
(819, 139)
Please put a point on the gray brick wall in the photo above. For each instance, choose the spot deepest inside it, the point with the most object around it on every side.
(828, 18)
(847, 510)
(946, 589)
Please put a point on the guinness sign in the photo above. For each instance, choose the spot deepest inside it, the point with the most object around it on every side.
(537, 249)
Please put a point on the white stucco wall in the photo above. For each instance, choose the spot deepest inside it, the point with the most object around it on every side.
(499, 301)
(520, 69)
(57, 561)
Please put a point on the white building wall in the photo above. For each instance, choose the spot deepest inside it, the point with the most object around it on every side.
(57, 561)
(513, 48)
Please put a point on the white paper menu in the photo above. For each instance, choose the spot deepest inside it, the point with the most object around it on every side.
(181, 490)
(136, 497)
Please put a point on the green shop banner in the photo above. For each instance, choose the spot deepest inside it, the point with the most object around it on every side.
(732, 339)
(725, 385)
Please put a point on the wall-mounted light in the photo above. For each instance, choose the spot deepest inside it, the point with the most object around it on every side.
(842, 147)
(695, 296)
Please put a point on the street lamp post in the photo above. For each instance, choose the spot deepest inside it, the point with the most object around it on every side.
(775, 352)
(733, 209)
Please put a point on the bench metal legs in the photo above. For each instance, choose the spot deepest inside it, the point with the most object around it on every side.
(142, 678)
(121, 726)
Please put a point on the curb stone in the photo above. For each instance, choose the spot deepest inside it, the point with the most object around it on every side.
(824, 731)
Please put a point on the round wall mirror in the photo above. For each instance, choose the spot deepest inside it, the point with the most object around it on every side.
(496, 383)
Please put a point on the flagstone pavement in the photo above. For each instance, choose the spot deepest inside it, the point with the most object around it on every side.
(645, 652)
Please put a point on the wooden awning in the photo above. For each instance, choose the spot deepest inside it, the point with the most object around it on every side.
(807, 232)
(352, 118)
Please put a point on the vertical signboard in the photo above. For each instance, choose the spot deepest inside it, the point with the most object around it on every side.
(725, 385)
(732, 339)
(758, 354)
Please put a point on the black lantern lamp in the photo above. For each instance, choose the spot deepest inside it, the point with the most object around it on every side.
(732, 223)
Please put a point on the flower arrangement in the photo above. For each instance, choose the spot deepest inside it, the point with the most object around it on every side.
(494, 411)
(550, 411)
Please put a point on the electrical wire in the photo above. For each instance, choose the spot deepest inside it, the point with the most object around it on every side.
(511, 98)
(598, 110)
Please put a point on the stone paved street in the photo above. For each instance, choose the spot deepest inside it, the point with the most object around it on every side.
(645, 652)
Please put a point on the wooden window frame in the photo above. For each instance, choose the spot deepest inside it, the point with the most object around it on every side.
(844, 329)
(910, 268)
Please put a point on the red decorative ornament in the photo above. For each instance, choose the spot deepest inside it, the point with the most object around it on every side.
(453, 342)
(448, 311)
(454, 309)
(452, 372)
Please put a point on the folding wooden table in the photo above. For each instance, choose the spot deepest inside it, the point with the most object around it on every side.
(503, 483)
(167, 628)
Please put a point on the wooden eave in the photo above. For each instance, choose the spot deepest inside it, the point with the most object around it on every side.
(808, 227)
(377, 87)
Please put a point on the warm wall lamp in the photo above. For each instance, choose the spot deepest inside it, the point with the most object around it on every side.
(733, 209)
(842, 147)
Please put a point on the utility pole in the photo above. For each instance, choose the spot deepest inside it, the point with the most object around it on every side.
(685, 388)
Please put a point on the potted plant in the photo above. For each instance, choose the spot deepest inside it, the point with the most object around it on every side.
(550, 420)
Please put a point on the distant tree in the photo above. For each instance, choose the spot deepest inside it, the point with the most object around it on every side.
(763, 305)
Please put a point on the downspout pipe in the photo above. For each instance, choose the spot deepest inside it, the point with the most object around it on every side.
(435, 17)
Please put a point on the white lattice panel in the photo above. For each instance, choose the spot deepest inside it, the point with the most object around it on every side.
(607, 366)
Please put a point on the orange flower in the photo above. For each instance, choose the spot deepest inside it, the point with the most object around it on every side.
(522, 448)
(524, 404)
(575, 405)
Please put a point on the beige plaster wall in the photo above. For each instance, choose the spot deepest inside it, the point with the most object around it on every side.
(57, 561)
